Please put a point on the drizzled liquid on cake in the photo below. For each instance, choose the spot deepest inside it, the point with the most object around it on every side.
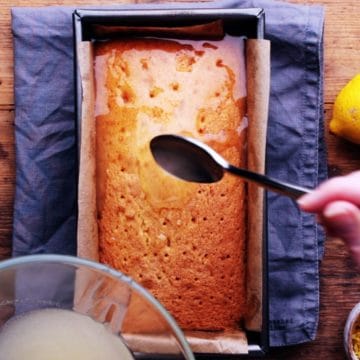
(167, 234)
(176, 100)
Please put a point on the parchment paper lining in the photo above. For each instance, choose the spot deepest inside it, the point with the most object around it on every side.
(258, 79)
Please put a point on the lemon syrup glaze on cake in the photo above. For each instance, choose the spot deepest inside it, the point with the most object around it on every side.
(184, 242)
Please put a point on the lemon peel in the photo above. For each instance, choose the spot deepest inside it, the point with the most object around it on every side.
(345, 121)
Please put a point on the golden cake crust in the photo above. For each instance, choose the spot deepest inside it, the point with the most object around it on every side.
(184, 242)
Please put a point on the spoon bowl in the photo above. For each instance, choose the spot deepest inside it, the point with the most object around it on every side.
(192, 160)
(186, 158)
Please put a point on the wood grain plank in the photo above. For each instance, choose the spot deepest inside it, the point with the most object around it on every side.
(7, 180)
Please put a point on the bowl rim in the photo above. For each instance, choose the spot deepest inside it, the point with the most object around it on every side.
(74, 260)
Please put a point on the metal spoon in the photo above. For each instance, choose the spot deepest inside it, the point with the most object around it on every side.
(192, 160)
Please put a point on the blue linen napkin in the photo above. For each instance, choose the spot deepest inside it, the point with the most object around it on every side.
(46, 152)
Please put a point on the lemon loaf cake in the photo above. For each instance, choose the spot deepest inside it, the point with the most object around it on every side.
(184, 242)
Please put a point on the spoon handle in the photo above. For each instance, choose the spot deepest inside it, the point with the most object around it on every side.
(267, 182)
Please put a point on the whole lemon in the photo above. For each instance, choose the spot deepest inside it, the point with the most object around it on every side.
(346, 115)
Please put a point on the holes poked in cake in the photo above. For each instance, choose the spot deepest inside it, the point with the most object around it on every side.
(202, 121)
(130, 213)
(147, 283)
(122, 66)
(225, 257)
(175, 86)
(219, 63)
(125, 94)
(155, 91)
(202, 118)
(144, 63)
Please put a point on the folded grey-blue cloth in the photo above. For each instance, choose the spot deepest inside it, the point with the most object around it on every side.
(46, 152)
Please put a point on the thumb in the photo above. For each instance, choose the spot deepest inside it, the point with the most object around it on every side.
(342, 219)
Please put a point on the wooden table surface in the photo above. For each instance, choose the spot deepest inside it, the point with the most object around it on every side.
(340, 283)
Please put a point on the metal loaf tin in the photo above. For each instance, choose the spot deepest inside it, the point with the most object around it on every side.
(237, 22)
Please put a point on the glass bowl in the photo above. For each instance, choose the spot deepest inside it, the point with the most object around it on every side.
(74, 286)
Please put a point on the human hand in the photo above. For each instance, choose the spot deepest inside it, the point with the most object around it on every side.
(337, 203)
